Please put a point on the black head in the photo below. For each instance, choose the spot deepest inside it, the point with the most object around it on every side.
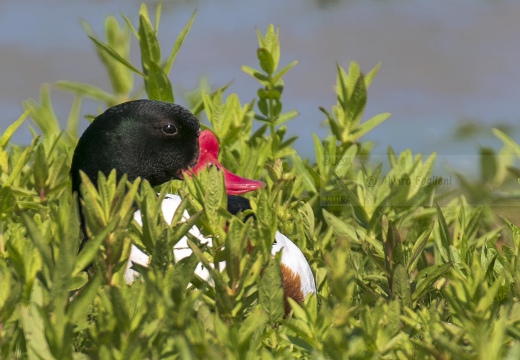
(150, 139)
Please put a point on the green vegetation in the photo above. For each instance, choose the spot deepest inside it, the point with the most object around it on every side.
(403, 269)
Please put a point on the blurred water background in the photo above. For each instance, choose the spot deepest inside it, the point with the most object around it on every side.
(449, 69)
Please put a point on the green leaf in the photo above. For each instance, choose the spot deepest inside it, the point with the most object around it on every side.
(91, 248)
(74, 117)
(158, 12)
(198, 107)
(39, 241)
(487, 302)
(488, 164)
(178, 43)
(320, 156)
(418, 248)
(233, 250)
(266, 60)
(11, 129)
(307, 178)
(41, 169)
(267, 221)
(284, 71)
(515, 230)
(255, 322)
(43, 114)
(444, 233)
(34, 330)
(150, 49)
(130, 26)
(428, 277)
(108, 50)
(5, 285)
(85, 90)
(336, 129)
(401, 285)
(79, 305)
(370, 124)
(340, 227)
(307, 216)
(271, 94)
(393, 248)
(474, 223)
(78, 281)
(120, 76)
(270, 292)
(182, 228)
(157, 84)
(254, 73)
(370, 76)
(359, 209)
(14, 177)
(67, 246)
(508, 141)
(419, 174)
(286, 117)
(299, 323)
(215, 195)
(181, 275)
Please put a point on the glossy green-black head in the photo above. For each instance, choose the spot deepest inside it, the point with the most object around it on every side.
(154, 140)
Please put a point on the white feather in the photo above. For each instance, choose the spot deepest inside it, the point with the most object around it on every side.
(292, 257)
(180, 250)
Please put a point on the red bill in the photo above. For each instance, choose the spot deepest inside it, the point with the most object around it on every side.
(208, 155)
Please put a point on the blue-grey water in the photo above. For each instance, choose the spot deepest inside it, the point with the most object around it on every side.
(443, 62)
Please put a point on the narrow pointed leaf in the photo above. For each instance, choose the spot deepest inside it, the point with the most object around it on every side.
(270, 292)
(178, 43)
(116, 55)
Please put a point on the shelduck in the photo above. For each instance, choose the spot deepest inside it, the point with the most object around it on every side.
(159, 141)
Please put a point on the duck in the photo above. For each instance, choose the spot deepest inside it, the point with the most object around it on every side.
(161, 141)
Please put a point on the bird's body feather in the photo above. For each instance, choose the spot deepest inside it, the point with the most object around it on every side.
(292, 257)
(160, 141)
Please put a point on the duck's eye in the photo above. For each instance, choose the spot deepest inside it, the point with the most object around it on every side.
(169, 129)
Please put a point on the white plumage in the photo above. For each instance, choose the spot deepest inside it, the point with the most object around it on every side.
(180, 250)
(292, 257)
